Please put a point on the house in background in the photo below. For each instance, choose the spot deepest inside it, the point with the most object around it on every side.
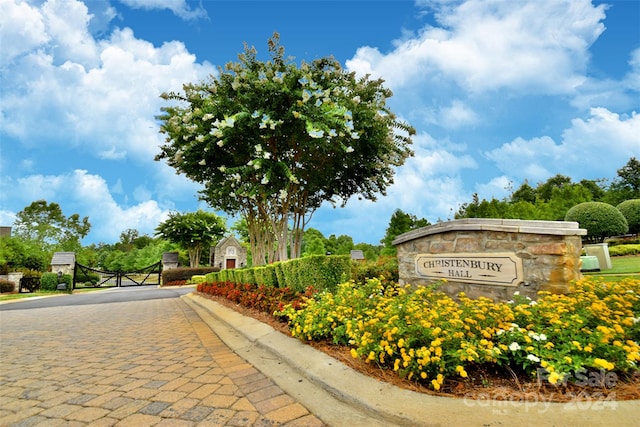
(229, 253)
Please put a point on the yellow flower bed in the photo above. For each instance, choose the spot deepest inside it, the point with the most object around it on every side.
(425, 335)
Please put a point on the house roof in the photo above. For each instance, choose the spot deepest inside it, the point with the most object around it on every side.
(63, 258)
(228, 240)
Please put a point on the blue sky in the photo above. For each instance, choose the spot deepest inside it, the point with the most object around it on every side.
(498, 91)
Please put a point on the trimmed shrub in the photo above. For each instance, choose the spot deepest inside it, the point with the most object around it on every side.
(386, 267)
(269, 277)
(599, 219)
(49, 282)
(176, 274)
(6, 286)
(622, 250)
(630, 209)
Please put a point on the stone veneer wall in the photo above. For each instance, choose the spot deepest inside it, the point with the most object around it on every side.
(550, 253)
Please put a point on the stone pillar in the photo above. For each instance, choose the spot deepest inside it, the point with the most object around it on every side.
(169, 260)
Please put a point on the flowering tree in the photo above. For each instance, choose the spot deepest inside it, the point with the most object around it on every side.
(272, 141)
(194, 231)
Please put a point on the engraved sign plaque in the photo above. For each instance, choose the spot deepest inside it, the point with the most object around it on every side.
(498, 268)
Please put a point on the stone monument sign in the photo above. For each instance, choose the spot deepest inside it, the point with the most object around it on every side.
(492, 257)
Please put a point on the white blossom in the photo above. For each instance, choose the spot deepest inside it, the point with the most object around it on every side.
(514, 346)
(533, 358)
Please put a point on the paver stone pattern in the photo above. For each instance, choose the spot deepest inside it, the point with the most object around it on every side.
(143, 363)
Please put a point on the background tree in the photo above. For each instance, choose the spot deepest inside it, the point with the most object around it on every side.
(272, 141)
(630, 209)
(399, 223)
(44, 222)
(339, 245)
(19, 254)
(194, 231)
(313, 243)
(626, 185)
(601, 220)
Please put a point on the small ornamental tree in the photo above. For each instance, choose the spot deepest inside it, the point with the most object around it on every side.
(272, 140)
(193, 231)
(599, 219)
(631, 211)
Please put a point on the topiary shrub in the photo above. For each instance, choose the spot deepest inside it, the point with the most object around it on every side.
(630, 209)
(599, 219)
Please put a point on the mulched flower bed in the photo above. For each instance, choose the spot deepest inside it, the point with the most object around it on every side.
(482, 383)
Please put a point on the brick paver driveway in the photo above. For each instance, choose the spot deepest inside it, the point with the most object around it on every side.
(142, 363)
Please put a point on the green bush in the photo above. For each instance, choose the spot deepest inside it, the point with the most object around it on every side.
(87, 277)
(6, 286)
(269, 276)
(49, 282)
(622, 250)
(176, 274)
(198, 278)
(386, 267)
(599, 219)
(630, 209)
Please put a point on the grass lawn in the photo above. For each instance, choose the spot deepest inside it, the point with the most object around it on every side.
(23, 295)
(627, 265)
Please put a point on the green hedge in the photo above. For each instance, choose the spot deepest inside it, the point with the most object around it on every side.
(320, 271)
(6, 286)
(49, 281)
(176, 274)
(622, 250)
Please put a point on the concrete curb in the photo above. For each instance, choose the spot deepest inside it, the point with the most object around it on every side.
(376, 400)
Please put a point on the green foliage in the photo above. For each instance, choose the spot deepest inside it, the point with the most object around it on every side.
(400, 223)
(627, 184)
(87, 277)
(340, 245)
(427, 336)
(18, 254)
(273, 140)
(49, 282)
(313, 243)
(6, 286)
(384, 268)
(45, 223)
(599, 219)
(176, 274)
(623, 250)
(630, 209)
(320, 271)
(194, 231)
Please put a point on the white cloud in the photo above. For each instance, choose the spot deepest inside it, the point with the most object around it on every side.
(498, 187)
(7, 218)
(89, 195)
(178, 7)
(587, 149)
(488, 45)
(21, 29)
(100, 96)
(457, 115)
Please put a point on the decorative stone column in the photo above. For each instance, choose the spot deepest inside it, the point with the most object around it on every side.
(492, 257)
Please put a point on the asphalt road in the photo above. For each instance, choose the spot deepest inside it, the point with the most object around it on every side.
(107, 296)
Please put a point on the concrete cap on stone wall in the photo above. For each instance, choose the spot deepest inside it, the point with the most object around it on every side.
(558, 228)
